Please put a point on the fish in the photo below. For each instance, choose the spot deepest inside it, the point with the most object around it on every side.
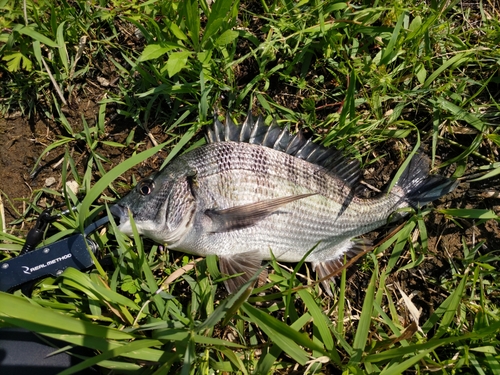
(254, 192)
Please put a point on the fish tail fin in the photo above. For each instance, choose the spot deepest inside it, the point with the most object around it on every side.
(421, 188)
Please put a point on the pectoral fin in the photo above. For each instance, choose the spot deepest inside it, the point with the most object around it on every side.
(246, 264)
(249, 214)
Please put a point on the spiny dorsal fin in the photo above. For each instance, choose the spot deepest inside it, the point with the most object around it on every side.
(257, 132)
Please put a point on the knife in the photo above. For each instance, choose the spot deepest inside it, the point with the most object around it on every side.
(53, 259)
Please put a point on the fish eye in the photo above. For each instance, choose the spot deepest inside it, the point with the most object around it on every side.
(145, 187)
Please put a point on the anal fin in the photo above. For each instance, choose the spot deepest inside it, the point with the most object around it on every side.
(247, 264)
(330, 268)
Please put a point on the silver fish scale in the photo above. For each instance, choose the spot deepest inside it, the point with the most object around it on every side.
(232, 174)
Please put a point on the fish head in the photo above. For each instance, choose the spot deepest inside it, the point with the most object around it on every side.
(162, 207)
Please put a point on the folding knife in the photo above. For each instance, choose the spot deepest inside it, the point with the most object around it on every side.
(53, 259)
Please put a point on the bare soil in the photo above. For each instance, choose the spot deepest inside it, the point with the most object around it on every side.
(24, 140)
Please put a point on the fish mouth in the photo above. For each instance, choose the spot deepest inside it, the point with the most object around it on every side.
(121, 214)
(118, 211)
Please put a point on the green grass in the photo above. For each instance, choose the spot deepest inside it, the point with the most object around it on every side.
(379, 79)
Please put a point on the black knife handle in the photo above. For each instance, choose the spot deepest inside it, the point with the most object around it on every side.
(52, 260)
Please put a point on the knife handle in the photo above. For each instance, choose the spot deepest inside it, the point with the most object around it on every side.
(53, 259)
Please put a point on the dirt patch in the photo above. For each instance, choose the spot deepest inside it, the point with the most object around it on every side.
(18, 153)
(25, 140)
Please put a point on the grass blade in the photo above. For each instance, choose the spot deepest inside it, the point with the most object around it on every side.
(389, 51)
(133, 346)
(27, 30)
(217, 19)
(281, 334)
(319, 319)
(452, 63)
(21, 313)
(361, 336)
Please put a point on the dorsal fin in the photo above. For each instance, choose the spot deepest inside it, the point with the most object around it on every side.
(257, 132)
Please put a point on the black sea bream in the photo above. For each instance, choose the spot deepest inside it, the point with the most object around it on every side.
(253, 190)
